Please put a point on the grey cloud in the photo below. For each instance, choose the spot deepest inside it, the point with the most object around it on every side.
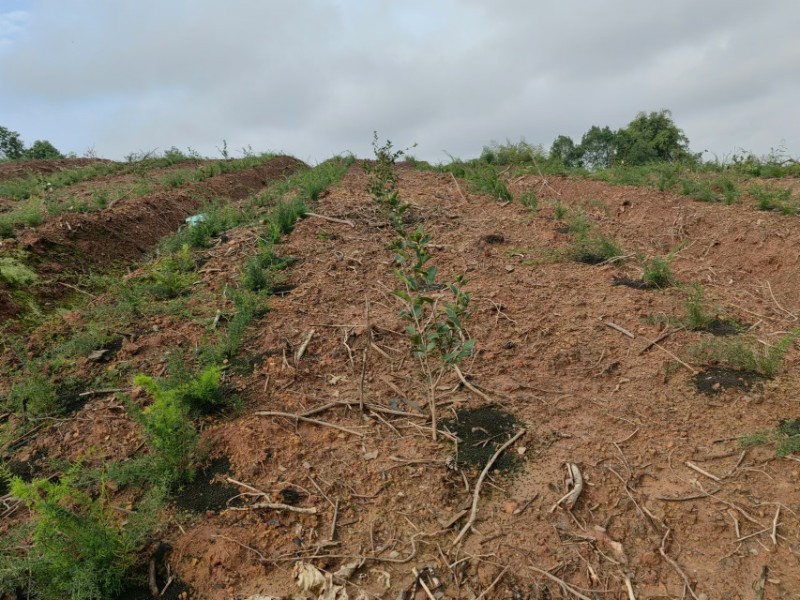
(317, 76)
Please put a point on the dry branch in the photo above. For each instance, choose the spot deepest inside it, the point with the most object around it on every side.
(576, 480)
(269, 413)
(622, 330)
(331, 219)
(676, 566)
(476, 495)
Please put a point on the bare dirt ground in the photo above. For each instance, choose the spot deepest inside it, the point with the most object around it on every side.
(672, 506)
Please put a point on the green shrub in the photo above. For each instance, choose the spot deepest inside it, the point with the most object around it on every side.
(698, 317)
(559, 210)
(594, 248)
(80, 551)
(743, 355)
(656, 272)
(14, 274)
(204, 392)
(34, 394)
(529, 200)
(169, 433)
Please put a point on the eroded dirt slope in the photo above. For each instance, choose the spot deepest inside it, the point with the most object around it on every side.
(622, 410)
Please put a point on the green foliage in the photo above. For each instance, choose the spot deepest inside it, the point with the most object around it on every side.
(594, 248)
(657, 272)
(779, 199)
(529, 200)
(698, 315)
(204, 392)
(43, 150)
(14, 274)
(648, 138)
(169, 433)
(485, 179)
(511, 153)
(566, 152)
(34, 394)
(11, 146)
(559, 210)
(786, 437)
(382, 182)
(80, 551)
(166, 282)
(743, 355)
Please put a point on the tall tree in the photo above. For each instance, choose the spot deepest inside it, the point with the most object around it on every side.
(42, 149)
(599, 148)
(651, 138)
(11, 146)
(565, 150)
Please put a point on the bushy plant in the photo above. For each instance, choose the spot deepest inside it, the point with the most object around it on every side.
(80, 551)
(657, 272)
(743, 355)
(170, 435)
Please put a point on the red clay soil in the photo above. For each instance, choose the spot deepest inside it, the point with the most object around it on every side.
(646, 525)
(25, 168)
(133, 226)
(77, 243)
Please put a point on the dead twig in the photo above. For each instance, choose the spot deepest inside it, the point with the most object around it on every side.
(694, 467)
(622, 330)
(676, 566)
(774, 535)
(575, 479)
(302, 349)
(104, 391)
(471, 387)
(269, 413)
(331, 219)
(564, 585)
(497, 579)
(476, 494)
(458, 187)
(660, 338)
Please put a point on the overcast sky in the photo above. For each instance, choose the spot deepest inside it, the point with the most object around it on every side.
(315, 77)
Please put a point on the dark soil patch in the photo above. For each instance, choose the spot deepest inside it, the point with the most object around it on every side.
(203, 493)
(283, 289)
(790, 427)
(589, 258)
(177, 590)
(636, 284)
(69, 396)
(481, 431)
(714, 380)
(494, 238)
(721, 327)
(291, 496)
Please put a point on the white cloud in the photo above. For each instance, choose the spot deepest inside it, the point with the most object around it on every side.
(313, 77)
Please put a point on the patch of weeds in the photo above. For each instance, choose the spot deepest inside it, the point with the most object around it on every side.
(559, 210)
(283, 217)
(742, 355)
(100, 199)
(594, 248)
(529, 200)
(657, 272)
(34, 394)
(80, 548)
(579, 224)
(698, 315)
(786, 437)
(774, 199)
(166, 280)
(727, 188)
(699, 190)
(15, 274)
(485, 179)
(169, 433)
